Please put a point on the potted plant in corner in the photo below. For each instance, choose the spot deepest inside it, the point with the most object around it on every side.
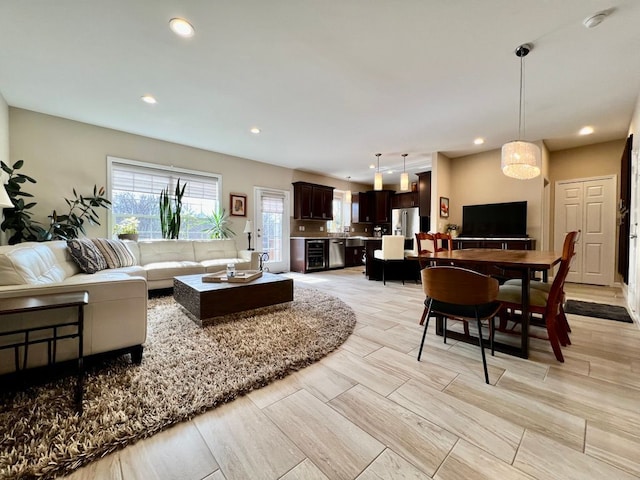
(127, 229)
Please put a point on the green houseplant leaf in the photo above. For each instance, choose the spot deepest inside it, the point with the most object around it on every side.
(219, 221)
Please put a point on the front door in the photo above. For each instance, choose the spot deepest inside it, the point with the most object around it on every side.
(272, 227)
(588, 205)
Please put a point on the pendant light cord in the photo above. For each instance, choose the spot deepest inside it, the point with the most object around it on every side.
(521, 106)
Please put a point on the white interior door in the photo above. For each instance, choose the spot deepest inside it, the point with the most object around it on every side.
(272, 227)
(588, 205)
(633, 295)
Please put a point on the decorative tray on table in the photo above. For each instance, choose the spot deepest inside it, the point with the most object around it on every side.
(241, 276)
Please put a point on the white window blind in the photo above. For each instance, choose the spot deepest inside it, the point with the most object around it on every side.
(135, 189)
(272, 211)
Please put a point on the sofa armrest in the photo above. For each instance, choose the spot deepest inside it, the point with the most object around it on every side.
(250, 256)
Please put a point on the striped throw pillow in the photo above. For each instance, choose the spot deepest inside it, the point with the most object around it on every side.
(86, 255)
(115, 252)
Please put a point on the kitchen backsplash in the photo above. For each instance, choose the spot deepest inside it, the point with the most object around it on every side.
(311, 228)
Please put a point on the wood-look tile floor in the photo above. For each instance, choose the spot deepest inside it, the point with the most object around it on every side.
(369, 410)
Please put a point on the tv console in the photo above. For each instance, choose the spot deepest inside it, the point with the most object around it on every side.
(506, 243)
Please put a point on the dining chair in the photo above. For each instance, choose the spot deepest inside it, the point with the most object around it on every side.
(428, 243)
(392, 251)
(433, 242)
(461, 294)
(547, 304)
(568, 252)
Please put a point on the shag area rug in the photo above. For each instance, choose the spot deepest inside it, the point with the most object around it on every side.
(185, 370)
(598, 310)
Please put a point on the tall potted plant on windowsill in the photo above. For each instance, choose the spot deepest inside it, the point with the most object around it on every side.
(170, 210)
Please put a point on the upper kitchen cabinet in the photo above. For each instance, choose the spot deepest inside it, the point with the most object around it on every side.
(381, 205)
(312, 201)
(405, 200)
(361, 211)
(373, 206)
(424, 192)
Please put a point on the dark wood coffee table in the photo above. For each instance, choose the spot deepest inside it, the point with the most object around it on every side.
(209, 300)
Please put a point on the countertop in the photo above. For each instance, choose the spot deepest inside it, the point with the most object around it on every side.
(333, 238)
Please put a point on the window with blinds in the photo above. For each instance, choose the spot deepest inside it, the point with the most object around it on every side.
(135, 190)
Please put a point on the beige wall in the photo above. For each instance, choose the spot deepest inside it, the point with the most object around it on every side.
(440, 187)
(4, 131)
(62, 154)
(477, 179)
(589, 161)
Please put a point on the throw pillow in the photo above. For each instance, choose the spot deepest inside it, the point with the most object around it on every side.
(115, 252)
(86, 255)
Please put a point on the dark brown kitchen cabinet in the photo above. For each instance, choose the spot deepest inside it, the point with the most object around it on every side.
(405, 200)
(373, 206)
(382, 206)
(353, 256)
(312, 202)
(361, 211)
(424, 192)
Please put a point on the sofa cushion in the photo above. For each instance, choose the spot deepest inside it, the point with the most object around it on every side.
(86, 255)
(214, 249)
(63, 257)
(164, 270)
(115, 252)
(29, 264)
(154, 251)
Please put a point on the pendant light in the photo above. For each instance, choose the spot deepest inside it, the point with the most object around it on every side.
(521, 159)
(377, 179)
(347, 194)
(404, 176)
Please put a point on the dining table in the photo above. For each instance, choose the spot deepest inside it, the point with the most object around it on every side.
(524, 262)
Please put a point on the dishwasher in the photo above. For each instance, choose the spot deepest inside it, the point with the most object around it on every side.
(336, 253)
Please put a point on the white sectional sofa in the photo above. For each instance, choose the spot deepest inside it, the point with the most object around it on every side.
(162, 260)
(116, 316)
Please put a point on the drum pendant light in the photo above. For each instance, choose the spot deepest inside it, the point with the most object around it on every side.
(377, 179)
(521, 159)
(404, 176)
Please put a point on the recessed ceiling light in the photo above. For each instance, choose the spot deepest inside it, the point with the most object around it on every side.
(389, 171)
(254, 130)
(586, 131)
(181, 27)
(372, 166)
(595, 20)
(478, 141)
(149, 99)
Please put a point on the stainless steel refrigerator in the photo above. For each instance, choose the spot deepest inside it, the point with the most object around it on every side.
(405, 222)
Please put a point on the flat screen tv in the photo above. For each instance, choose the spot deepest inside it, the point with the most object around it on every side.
(495, 220)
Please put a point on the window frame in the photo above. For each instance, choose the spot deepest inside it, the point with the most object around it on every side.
(111, 160)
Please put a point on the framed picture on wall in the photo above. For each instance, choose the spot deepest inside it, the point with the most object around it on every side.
(238, 205)
(444, 207)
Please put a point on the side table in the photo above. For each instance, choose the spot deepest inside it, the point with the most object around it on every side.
(48, 302)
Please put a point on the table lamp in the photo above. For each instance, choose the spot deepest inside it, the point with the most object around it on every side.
(248, 229)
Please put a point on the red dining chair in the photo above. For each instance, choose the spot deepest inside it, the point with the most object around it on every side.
(547, 304)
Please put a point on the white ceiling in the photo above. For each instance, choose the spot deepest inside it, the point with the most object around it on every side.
(329, 82)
